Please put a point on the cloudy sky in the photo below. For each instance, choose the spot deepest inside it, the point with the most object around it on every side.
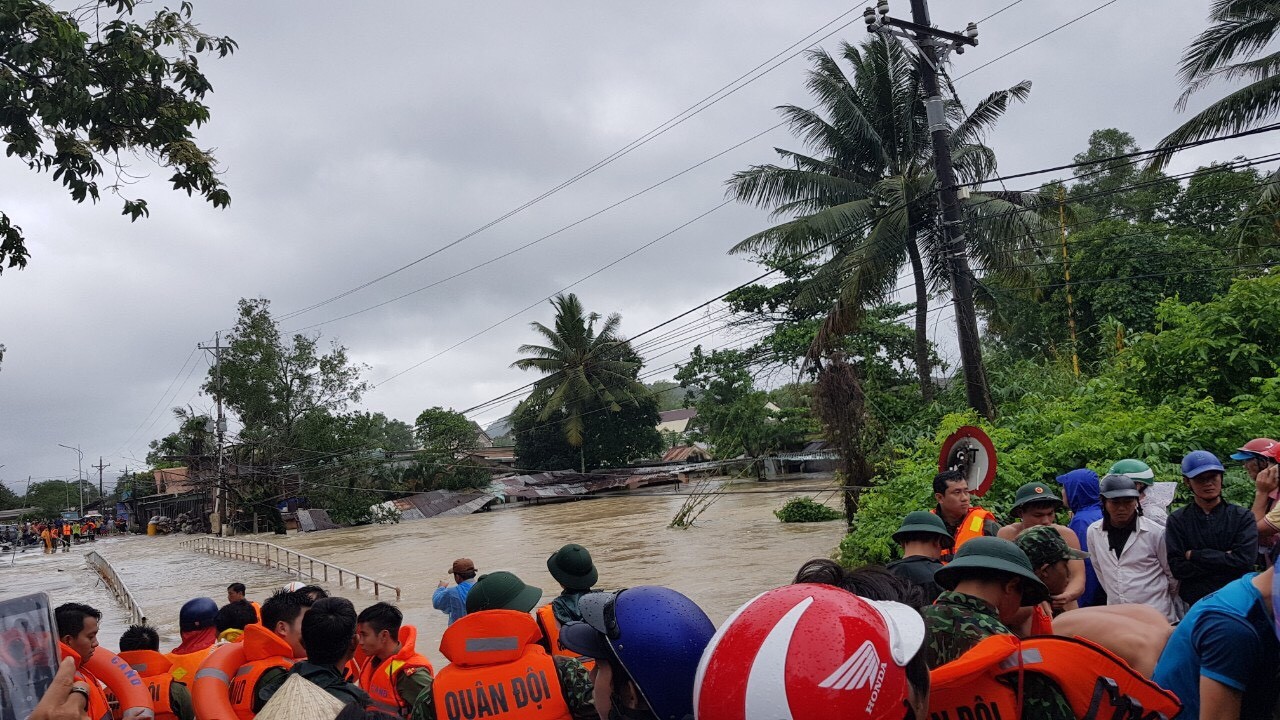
(359, 137)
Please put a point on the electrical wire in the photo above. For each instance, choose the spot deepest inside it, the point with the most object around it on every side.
(661, 129)
(998, 58)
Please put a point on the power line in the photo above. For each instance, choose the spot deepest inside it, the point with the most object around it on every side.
(662, 128)
(1036, 39)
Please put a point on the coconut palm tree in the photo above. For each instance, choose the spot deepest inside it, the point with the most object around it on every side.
(585, 369)
(865, 194)
(1229, 49)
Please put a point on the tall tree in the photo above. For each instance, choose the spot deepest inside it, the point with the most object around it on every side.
(1232, 48)
(864, 197)
(80, 88)
(585, 370)
(271, 382)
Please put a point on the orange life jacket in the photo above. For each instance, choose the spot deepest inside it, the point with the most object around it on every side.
(970, 527)
(1041, 621)
(379, 679)
(550, 627)
(154, 669)
(263, 650)
(1097, 684)
(98, 708)
(186, 665)
(497, 670)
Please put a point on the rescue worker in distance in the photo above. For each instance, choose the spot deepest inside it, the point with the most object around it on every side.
(963, 521)
(571, 566)
(498, 666)
(140, 647)
(396, 677)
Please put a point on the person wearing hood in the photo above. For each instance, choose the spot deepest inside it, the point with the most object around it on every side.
(571, 566)
(1080, 487)
(197, 621)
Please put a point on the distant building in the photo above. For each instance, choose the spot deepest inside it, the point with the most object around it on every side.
(686, 454)
(482, 438)
(676, 421)
(173, 481)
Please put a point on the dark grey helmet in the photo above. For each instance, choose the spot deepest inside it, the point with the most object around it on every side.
(1118, 486)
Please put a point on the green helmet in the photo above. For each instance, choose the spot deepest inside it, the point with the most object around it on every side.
(1135, 470)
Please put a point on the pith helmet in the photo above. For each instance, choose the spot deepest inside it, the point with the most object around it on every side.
(993, 554)
(1034, 492)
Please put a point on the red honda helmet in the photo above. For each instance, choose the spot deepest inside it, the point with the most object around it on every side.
(1257, 446)
(809, 651)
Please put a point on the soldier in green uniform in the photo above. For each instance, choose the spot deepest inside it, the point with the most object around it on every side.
(987, 582)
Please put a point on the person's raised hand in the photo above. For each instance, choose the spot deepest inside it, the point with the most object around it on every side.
(1268, 479)
(59, 702)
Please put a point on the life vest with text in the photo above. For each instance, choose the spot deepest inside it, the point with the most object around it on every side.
(1097, 684)
(379, 679)
(154, 670)
(105, 668)
(497, 670)
(970, 527)
(263, 650)
(550, 627)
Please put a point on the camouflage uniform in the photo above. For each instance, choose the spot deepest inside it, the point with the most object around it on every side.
(957, 622)
(575, 685)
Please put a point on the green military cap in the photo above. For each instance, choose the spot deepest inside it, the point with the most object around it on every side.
(1034, 492)
(990, 553)
(923, 521)
(1045, 546)
(502, 591)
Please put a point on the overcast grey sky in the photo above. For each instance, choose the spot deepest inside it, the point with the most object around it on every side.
(357, 137)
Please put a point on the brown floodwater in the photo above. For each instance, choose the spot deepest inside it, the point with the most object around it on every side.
(735, 550)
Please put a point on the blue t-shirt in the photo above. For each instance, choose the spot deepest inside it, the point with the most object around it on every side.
(452, 600)
(1226, 637)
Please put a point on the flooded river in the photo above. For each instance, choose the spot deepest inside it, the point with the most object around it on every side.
(736, 549)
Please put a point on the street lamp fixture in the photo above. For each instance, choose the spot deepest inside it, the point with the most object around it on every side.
(79, 473)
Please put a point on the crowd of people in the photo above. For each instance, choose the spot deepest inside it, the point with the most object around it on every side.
(1123, 612)
(53, 534)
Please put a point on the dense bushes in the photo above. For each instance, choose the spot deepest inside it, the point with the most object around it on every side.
(806, 509)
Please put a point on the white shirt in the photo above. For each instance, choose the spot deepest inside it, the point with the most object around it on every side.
(1140, 576)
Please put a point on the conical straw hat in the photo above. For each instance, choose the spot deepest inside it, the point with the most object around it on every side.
(300, 699)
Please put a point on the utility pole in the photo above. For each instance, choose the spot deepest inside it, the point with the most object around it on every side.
(101, 496)
(934, 45)
(220, 492)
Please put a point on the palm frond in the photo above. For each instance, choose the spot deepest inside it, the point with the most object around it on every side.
(1239, 111)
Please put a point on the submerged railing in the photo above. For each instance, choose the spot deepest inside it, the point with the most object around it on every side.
(282, 558)
(117, 586)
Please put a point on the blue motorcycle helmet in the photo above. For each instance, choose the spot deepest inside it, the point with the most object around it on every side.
(655, 634)
(197, 614)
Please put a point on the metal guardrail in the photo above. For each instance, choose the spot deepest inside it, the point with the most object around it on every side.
(270, 555)
(117, 586)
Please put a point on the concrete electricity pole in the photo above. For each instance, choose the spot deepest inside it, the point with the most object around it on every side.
(220, 493)
(100, 466)
(934, 45)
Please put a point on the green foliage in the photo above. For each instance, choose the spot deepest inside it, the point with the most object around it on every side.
(668, 393)
(9, 500)
(271, 383)
(87, 86)
(51, 497)
(804, 510)
(733, 416)
(589, 392)
(1157, 400)
(191, 439)
(1101, 186)
(444, 431)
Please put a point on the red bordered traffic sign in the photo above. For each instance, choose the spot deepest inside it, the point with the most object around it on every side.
(970, 451)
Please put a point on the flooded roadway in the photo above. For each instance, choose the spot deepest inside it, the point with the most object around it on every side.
(736, 549)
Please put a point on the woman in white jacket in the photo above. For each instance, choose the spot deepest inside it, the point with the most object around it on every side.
(1128, 552)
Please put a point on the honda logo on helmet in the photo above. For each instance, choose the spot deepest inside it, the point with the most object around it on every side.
(862, 669)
